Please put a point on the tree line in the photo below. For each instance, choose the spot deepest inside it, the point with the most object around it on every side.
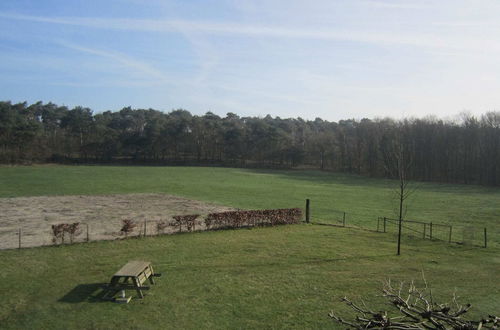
(460, 151)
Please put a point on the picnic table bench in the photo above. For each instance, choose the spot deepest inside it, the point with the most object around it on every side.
(137, 272)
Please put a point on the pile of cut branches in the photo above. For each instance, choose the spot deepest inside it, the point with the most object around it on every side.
(417, 310)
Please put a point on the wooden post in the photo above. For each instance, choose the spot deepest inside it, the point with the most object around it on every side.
(485, 239)
(449, 238)
(378, 224)
(87, 232)
(399, 235)
(343, 220)
(385, 222)
(425, 229)
(19, 238)
(145, 228)
(307, 211)
(430, 230)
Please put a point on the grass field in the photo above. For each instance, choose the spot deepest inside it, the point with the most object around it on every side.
(363, 199)
(281, 277)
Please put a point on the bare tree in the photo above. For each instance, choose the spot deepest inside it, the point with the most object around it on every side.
(403, 164)
(398, 162)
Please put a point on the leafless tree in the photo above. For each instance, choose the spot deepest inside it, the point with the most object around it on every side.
(399, 163)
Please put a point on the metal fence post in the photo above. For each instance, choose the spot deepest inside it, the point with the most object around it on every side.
(485, 239)
(385, 224)
(307, 211)
(378, 224)
(343, 220)
(430, 229)
(19, 238)
(87, 232)
(425, 229)
(449, 238)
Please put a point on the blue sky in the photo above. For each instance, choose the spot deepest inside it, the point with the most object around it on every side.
(330, 59)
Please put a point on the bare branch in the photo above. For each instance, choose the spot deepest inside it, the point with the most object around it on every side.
(416, 311)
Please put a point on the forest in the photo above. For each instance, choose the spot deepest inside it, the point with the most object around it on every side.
(458, 151)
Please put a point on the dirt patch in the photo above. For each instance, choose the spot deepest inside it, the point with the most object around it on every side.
(103, 215)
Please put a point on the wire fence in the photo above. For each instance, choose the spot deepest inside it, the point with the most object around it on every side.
(43, 235)
(346, 219)
(468, 235)
(456, 233)
(47, 234)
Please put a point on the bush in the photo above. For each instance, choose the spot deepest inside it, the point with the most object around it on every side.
(128, 226)
(188, 220)
(73, 230)
(161, 226)
(59, 231)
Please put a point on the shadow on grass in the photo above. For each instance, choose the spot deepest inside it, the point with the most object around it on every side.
(339, 178)
(92, 292)
(289, 263)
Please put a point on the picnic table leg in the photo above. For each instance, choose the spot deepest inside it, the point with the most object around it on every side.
(111, 289)
(151, 280)
(137, 287)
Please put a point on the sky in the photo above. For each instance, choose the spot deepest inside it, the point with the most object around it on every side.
(333, 59)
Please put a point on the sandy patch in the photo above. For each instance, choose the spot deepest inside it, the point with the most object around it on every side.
(103, 215)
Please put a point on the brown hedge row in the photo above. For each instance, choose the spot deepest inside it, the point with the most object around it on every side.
(188, 220)
(236, 219)
(222, 220)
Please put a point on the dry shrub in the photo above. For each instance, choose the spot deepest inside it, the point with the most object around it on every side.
(161, 226)
(59, 232)
(128, 226)
(73, 230)
(188, 220)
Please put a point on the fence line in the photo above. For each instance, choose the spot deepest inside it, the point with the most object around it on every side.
(445, 235)
(426, 230)
(86, 231)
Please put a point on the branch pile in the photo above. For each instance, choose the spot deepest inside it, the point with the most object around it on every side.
(417, 310)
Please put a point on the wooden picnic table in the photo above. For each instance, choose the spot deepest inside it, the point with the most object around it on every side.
(137, 272)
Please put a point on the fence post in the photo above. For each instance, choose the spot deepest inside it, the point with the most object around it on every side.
(145, 228)
(399, 235)
(430, 229)
(343, 220)
(485, 239)
(87, 232)
(19, 238)
(378, 224)
(425, 229)
(385, 221)
(307, 210)
(449, 238)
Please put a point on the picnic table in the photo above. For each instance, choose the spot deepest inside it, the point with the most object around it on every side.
(136, 272)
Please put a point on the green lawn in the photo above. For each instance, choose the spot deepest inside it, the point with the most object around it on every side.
(363, 199)
(280, 277)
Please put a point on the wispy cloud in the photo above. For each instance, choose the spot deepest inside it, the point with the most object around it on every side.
(426, 40)
(396, 4)
(144, 69)
(206, 52)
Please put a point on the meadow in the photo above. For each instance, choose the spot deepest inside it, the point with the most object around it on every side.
(279, 277)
